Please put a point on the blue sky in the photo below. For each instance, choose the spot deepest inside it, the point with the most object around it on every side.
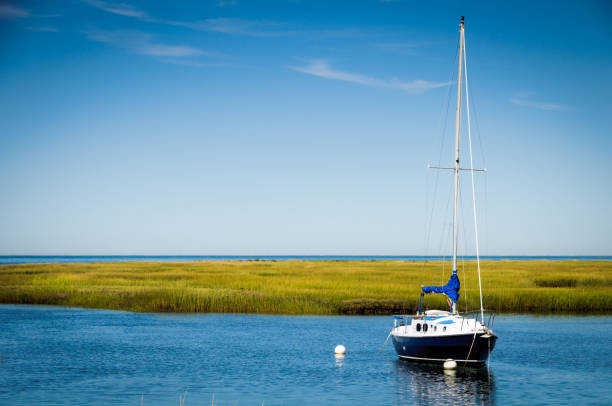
(301, 127)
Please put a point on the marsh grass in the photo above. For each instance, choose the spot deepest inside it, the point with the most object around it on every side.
(308, 287)
(557, 282)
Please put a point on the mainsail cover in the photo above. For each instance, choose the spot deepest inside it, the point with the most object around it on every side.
(451, 289)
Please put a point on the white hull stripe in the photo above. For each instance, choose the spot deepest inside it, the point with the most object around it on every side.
(440, 360)
(438, 335)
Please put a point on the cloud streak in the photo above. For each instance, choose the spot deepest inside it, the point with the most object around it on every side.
(225, 3)
(143, 44)
(525, 100)
(231, 26)
(119, 9)
(9, 11)
(321, 68)
(43, 29)
(222, 25)
(195, 64)
(236, 26)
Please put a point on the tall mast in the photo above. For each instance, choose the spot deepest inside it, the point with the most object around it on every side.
(457, 137)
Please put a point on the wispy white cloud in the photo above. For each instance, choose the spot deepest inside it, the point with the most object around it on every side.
(237, 26)
(10, 11)
(322, 69)
(143, 44)
(232, 26)
(264, 28)
(118, 8)
(225, 3)
(54, 15)
(168, 50)
(195, 64)
(525, 99)
(46, 29)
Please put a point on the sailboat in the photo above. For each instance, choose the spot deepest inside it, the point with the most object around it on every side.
(443, 335)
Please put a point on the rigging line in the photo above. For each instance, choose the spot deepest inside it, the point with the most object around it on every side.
(444, 237)
(466, 285)
(484, 206)
(443, 269)
(467, 108)
(465, 290)
(443, 241)
(486, 216)
(462, 245)
(478, 132)
(435, 191)
(437, 176)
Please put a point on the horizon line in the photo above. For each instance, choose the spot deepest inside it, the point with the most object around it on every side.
(302, 255)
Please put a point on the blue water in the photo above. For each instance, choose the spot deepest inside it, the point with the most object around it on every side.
(67, 356)
(27, 259)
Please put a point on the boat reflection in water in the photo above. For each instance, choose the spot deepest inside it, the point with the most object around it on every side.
(424, 384)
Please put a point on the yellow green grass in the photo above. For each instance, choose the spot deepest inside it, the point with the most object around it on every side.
(308, 287)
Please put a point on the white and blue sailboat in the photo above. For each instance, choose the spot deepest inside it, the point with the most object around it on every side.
(439, 335)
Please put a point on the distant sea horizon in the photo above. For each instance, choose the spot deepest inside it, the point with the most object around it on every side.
(32, 259)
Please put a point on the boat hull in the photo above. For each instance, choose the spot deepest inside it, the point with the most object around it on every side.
(442, 348)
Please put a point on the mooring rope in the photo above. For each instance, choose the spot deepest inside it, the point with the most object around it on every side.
(472, 345)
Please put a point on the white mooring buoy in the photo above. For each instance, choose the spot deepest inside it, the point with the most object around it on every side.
(450, 364)
(339, 350)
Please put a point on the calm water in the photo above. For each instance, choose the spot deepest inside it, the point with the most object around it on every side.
(26, 259)
(54, 355)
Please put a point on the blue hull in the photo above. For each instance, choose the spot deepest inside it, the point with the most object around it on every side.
(439, 349)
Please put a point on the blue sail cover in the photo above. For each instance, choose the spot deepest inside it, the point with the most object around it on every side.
(451, 289)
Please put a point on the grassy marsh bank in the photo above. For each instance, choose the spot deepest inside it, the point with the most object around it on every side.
(308, 287)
